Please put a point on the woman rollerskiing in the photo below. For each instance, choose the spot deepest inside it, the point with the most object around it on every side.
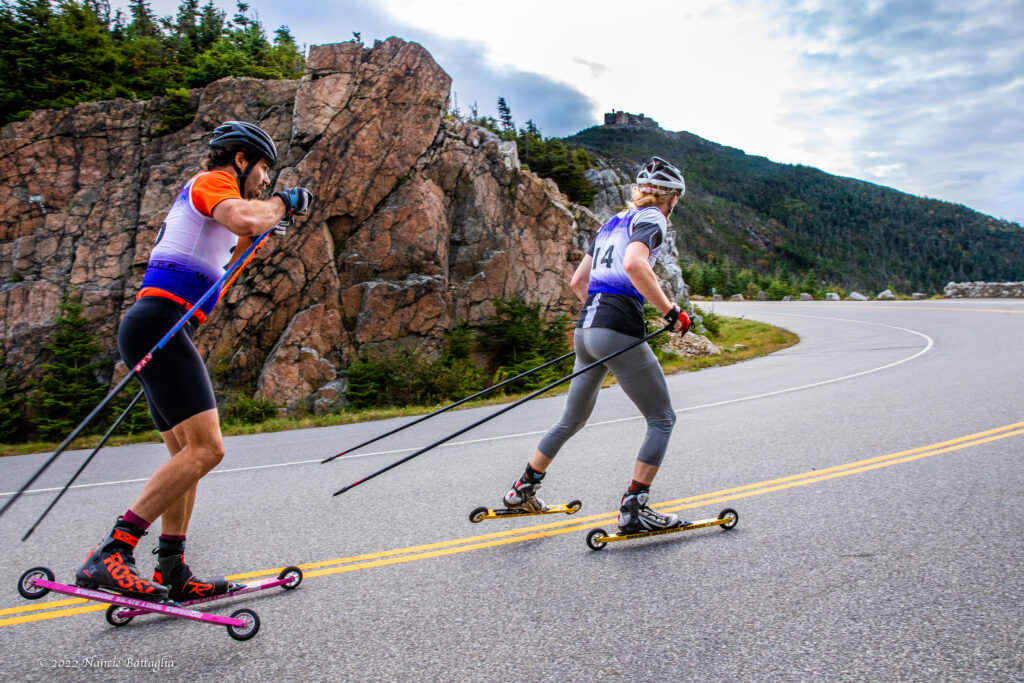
(612, 280)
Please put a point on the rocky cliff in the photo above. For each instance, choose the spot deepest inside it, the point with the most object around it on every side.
(419, 221)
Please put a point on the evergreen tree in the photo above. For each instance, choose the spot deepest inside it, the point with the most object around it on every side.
(210, 28)
(11, 421)
(52, 59)
(519, 339)
(69, 389)
(552, 158)
(183, 35)
(284, 56)
(508, 126)
(143, 23)
(57, 55)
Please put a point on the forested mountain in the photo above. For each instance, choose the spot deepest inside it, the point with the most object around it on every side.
(798, 224)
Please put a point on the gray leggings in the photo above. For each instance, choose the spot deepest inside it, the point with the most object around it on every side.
(639, 375)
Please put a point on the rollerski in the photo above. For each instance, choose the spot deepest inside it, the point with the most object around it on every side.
(522, 501)
(482, 513)
(243, 624)
(288, 579)
(598, 538)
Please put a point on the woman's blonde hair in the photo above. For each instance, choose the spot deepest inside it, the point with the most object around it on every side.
(649, 195)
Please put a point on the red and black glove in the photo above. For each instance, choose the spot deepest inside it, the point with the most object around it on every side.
(678, 320)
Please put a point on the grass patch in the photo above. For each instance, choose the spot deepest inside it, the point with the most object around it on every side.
(739, 339)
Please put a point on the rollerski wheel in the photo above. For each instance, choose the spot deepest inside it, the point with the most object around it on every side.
(481, 513)
(118, 615)
(595, 539)
(294, 576)
(730, 514)
(249, 628)
(27, 587)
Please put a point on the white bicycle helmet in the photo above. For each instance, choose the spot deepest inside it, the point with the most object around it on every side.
(660, 173)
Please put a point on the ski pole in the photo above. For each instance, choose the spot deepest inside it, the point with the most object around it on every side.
(137, 368)
(117, 423)
(507, 408)
(449, 407)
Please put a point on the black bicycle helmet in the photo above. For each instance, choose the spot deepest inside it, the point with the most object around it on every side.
(245, 136)
(232, 134)
(660, 173)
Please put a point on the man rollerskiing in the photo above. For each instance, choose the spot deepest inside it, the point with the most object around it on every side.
(213, 219)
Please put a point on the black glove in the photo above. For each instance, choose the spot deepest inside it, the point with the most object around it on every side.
(678, 320)
(296, 201)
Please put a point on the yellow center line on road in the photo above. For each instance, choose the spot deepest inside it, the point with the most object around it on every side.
(521, 534)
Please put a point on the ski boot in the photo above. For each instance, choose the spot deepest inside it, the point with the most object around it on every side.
(523, 496)
(183, 585)
(636, 516)
(111, 566)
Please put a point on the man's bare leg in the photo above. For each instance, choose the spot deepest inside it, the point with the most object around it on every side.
(174, 521)
(174, 482)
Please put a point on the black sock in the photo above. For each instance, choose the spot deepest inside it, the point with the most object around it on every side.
(170, 545)
(532, 476)
(637, 487)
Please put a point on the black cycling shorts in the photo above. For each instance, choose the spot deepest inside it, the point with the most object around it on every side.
(176, 383)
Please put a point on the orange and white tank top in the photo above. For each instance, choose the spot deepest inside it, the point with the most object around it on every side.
(192, 250)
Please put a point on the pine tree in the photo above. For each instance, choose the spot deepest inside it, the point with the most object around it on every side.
(56, 55)
(508, 126)
(11, 419)
(69, 389)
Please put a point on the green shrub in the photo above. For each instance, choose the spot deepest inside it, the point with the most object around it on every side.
(519, 339)
(244, 410)
(707, 323)
(177, 113)
(367, 382)
(401, 378)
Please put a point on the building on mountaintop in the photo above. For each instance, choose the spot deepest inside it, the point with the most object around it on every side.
(622, 118)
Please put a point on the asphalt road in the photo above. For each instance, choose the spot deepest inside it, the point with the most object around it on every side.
(877, 467)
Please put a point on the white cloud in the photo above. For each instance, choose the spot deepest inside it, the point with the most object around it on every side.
(884, 170)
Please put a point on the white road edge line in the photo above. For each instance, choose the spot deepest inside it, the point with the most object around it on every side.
(929, 344)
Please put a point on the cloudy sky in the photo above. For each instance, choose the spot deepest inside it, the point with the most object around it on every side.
(925, 96)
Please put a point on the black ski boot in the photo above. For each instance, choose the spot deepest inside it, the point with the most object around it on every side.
(635, 515)
(172, 571)
(111, 566)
